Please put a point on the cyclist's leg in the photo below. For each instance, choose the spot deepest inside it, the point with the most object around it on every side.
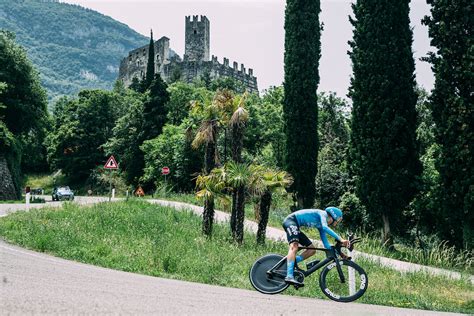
(292, 234)
(306, 242)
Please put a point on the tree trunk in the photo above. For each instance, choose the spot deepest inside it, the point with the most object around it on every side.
(237, 143)
(208, 217)
(208, 211)
(240, 215)
(387, 235)
(209, 158)
(265, 202)
(233, 214)
(7, 187)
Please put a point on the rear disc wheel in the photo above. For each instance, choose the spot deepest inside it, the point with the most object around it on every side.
(268, 283)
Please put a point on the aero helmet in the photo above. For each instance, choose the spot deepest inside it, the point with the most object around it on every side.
(334, 212)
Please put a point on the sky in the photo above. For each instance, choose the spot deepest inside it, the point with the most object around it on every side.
(251, 32)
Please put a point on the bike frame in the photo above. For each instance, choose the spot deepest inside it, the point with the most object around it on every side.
(332, 257)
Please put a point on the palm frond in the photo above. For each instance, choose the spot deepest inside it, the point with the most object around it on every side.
(239, 117)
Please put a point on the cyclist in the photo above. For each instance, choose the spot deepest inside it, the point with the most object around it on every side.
(314, 218)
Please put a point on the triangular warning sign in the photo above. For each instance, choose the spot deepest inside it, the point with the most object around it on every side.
(111, 163)
(139, 191)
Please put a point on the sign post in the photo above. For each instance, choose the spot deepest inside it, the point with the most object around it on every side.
(111, 164)
(165, 171)
(27, 196)
(352, 289)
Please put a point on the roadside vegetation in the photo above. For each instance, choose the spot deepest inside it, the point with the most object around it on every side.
(139, 237)
(436, 253)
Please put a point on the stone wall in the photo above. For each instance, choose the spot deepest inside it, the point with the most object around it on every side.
(196, 59)
(197, 39)
(7, 188)
(134, 65)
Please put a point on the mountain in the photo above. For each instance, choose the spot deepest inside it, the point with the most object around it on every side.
(72, 47)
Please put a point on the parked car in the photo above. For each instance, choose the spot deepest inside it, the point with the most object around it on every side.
(62, 193)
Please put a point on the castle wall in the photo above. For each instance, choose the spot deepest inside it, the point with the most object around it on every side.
(134, 65)
(196, 61)
(194, 69)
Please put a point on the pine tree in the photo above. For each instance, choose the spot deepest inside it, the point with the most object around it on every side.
(302, 53)
(383, 152)
(451, 30)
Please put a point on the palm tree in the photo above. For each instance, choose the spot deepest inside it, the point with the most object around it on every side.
(238, 176)
(208, 115)
(210, 186)
(235, 117)
(212, 116)
(265, 182)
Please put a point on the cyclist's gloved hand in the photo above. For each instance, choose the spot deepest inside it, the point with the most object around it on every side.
(345, 243)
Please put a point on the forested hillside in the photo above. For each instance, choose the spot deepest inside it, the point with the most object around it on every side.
(73, 48)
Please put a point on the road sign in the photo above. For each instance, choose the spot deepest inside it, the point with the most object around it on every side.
(139, 191)
(165, 171)
(111, 163)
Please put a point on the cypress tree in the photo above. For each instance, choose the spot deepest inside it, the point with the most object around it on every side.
(150, 66)
(451, 29)
(383, 153)
(300, 109)
(154, 108)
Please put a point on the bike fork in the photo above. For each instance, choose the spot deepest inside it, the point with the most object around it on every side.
(339, 270)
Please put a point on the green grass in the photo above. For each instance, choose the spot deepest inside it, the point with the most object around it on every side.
(439, 255)
(139, 237)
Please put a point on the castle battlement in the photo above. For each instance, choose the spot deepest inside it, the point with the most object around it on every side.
(197, 18)
(195, 62)
(234, 69)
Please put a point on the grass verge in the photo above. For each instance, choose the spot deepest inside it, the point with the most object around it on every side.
(139, 237)
(438, 255)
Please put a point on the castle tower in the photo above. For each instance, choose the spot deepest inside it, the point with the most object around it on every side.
(197, 39)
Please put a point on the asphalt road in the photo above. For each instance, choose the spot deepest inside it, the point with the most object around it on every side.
(6, 209)
(36, 283)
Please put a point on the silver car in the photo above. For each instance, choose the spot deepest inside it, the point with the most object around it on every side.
(62, 193)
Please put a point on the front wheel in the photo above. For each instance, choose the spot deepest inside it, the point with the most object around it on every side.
(268, 283)
(354, 286)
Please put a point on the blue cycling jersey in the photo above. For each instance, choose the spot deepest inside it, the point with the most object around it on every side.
(315, 218)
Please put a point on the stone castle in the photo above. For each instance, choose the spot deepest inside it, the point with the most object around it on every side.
(194, 64)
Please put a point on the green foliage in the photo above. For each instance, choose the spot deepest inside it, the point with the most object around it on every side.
(225, 83)
(450, 29)
(424, 209)
(81, 126)
(128, 136)
(355, 213)
(333, 178)
(302, 53)
(384, 156)
(181, 97)
(73, 48)
(264, 137)
(150, 66)
(154, 109)
(172, 149)
(22, 107)
(23, 99)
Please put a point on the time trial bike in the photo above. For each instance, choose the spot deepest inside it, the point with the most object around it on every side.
(341, 280)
